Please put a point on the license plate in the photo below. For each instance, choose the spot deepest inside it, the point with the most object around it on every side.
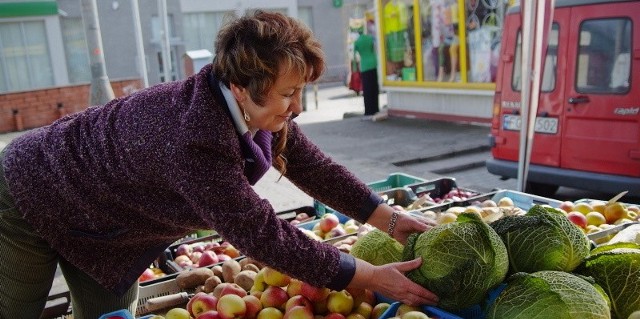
(546, 125)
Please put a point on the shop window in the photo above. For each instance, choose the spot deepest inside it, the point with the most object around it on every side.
(439, 21)
(550, 64)
(399, 44)
(200, 29)
(75, 49)
(604, 64)
(25, 63)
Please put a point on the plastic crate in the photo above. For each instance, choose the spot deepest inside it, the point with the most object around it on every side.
(165, 286)
(395, 180)
(440, 187)
(401, 196)
(603, 236)
(431, 311)
(524, 200)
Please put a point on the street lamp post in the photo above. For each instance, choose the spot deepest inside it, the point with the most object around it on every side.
(101, 91)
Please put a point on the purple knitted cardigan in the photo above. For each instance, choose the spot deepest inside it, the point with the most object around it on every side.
(112, 186)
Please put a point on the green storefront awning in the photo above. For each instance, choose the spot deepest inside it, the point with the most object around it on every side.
(29, 8)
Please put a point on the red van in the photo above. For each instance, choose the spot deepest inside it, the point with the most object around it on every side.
(587, 129)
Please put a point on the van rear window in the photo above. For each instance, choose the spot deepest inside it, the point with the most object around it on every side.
(551, 61)
(604, 61)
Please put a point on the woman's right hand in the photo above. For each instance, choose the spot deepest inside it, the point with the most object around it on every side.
(390, 281)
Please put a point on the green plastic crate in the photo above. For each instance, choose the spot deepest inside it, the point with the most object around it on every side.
(395, 180)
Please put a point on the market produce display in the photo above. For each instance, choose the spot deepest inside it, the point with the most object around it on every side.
(463, 261)
(487, 258)
(271, 295)
(549, 294)
(616, 268)
(542, 239)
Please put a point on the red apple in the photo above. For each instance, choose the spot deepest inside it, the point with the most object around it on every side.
(299, 287)
(198, 247)
(274, 277)
(567, 206)
(274, 296)
(298, 300)
(340, 302)
(231, 307)
(578, 219)
(223, 257)
(211, 314)
(211, 245)
(195, 256)
(231, 251)
(184, 250)
(270, 313)
(299, 312)
(379, 309)
(254, 306)
(227, 288)
(208, 258)
(201, 302)
(177, 313)
(301, 216)
(146, 275)
(362, 295)
(328, 221)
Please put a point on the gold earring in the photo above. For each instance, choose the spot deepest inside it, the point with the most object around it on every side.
(246, 116)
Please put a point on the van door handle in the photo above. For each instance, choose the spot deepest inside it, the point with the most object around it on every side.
(578, 100)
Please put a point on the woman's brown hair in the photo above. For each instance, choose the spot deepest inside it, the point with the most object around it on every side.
(251, 50)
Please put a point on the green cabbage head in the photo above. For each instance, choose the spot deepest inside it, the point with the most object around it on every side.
(616, 268)
(461, 261)
(549, 294)
(377, 248)
(542, 239)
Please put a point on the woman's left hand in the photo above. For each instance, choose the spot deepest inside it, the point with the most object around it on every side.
(407, 224)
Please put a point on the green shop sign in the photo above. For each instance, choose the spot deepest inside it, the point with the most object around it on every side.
(337, 3)
(28, 8)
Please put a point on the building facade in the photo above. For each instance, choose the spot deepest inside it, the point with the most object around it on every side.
(43, 45)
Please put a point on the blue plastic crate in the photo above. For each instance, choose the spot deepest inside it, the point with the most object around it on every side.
(429, 310)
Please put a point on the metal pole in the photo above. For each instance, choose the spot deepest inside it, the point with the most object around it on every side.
(164, 40)
(142, 61)
(101, 91)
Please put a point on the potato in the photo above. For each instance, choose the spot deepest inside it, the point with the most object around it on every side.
(252, 267)
(230, 268)
(249, 260)
(193, 278)
(245, 279)
(217, 270)
(211, 283)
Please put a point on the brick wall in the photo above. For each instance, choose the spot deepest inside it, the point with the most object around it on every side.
(30, 109)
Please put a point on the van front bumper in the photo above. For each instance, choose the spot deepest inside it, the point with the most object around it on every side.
(597, 182)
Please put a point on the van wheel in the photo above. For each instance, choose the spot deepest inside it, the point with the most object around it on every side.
(541, 189)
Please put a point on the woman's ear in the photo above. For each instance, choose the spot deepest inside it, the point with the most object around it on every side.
(239, 93)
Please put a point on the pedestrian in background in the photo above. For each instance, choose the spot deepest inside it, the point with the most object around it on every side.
(364, 49)
(104, 191)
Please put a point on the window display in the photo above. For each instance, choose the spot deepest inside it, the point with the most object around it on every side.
(442, 55)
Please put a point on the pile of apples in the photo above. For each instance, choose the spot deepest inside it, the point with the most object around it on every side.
(203, 254)
(489, 210)
(329, 227)
(151, 273)
(454, 195)
(597, 215)
(275, 295)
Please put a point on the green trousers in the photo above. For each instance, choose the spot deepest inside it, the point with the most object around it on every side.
(27, 269)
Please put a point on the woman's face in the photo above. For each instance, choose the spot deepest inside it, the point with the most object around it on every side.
(283, 100)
